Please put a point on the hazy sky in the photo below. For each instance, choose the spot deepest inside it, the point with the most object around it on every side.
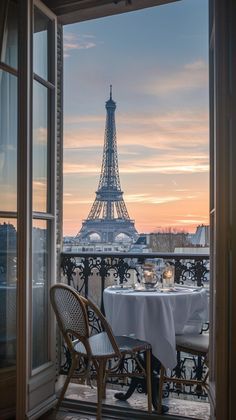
(157, 61)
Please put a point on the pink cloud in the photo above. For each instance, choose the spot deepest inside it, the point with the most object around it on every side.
(74, 42)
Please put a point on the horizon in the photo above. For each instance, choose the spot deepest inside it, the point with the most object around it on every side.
(161, 92)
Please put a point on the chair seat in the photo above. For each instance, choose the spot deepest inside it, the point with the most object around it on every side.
(101, 345)
(128, 344)
(193, 343)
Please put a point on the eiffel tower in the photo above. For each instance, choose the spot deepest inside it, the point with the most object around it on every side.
(108, 216)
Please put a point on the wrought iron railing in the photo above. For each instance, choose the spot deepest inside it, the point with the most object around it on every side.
(90, 273)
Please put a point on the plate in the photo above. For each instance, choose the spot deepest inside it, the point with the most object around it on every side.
(116, 287)
(153, 289)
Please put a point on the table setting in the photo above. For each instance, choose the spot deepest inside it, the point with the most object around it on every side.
(156, 309)
(153, 280)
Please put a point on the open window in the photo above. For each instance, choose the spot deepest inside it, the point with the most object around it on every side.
(28, 212)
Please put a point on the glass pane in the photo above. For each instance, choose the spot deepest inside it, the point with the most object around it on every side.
(8, 141)
(40, 147)
(8, 271)
(9, 45)
(40, 244)
(41, 36)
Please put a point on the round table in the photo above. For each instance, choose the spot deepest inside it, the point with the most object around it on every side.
(156, 317)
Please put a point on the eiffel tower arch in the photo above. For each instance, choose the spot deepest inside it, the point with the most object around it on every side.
(108, 216)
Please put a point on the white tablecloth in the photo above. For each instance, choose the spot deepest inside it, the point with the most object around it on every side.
(156, 317)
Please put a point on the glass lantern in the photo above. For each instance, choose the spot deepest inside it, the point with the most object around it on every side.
(149, 275)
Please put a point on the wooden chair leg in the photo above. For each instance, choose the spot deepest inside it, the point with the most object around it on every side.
(100, 387)
(68, 378)
(104, 386)
(161, 383)
(148, 379)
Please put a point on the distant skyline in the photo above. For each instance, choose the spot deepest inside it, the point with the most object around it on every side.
(157, 61)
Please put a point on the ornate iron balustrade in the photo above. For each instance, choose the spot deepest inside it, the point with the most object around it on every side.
(90, 273)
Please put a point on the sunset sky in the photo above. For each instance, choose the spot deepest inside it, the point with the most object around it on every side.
(157, 61)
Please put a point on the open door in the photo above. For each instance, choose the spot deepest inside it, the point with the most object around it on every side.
(223, 207)
(36, 208)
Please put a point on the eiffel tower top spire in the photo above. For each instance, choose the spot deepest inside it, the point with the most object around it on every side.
(109, 206)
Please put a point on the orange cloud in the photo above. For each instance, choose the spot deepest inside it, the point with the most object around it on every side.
(159, 130)
(73, 168)
(175, 164)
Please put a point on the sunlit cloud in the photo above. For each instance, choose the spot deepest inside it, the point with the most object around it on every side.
(78, 119)
(181, 190)
(162, 131)
(197, 221)
(167, 169)
(166, 157)
(73, 202)
(174, 164)
(181, 119)
(73, 168)
(145, 198)
(136, 198)
(197, 65)
(77, 139)
(190, 77)
(74, 41)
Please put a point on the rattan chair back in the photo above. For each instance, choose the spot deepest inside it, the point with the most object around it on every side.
(70, 312)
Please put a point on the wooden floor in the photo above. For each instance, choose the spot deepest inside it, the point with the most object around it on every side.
(194, 409)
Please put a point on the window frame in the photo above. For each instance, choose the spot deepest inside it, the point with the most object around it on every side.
(48, 216)
(14, 72)
(35, 386)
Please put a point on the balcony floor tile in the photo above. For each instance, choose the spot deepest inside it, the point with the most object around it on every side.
(193, 408)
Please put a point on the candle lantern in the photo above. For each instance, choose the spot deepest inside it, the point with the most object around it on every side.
(149, 277)
(168, 276)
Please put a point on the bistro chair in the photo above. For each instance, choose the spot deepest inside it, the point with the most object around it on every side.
(195, 344)
(98, 355)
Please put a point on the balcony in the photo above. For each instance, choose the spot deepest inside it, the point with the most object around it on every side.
(90, 274)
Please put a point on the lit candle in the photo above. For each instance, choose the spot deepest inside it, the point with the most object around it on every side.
(168, 275)
(148, 275)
